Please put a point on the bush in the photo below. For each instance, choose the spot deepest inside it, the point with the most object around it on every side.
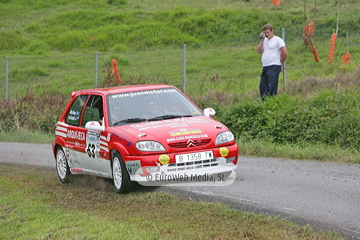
(32, 113)
(327, 117)
(330, 117)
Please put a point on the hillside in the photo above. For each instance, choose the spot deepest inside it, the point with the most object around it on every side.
(50, 45)
(52, 27)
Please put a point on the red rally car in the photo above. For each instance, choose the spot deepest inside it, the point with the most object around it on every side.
(126, 133)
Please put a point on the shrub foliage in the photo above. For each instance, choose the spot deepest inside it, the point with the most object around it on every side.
(32, 112)
(330, 117)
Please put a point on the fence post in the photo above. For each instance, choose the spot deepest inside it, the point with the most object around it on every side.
(284, 72)
(184, 70)
(6, 78)
(96, 69)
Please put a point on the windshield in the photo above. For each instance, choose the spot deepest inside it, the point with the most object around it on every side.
(149, 105)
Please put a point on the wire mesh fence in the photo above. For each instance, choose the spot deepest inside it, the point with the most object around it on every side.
(231, 67)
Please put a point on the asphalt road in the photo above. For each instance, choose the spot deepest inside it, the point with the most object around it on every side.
(324, 195)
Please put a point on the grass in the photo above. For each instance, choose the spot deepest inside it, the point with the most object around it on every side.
(43, 37)
(27, 136)
(35, 205)
(235, 65)
(318, 152)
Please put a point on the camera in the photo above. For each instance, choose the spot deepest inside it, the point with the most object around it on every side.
(263, 36)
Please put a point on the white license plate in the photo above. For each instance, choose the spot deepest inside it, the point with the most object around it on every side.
(191, 157)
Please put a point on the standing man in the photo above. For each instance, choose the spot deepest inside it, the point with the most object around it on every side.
(273, 57)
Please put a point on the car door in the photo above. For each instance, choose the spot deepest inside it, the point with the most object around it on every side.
(75, 135)
(93, 149)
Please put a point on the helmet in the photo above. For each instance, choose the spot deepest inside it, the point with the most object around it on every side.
(116, 112)
(153, 105)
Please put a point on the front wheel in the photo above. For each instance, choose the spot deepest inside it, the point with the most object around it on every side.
(121, 176)
(62, 167)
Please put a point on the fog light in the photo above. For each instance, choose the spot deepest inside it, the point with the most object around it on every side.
(230, 159)
(224, 151)
(164, 159)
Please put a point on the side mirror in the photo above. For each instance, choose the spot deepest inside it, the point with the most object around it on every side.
(95, 125)
(209, 112)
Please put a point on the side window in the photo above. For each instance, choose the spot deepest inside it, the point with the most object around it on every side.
(93, 110)
(73, 116)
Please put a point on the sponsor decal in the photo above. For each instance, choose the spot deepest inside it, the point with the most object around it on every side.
(184, 131)
(133, 166)
(187, 137)
(77, 170)
(140, 93)
(79, 144)
(121, 139)
(74, 115)
(172, 123)
(69, 146)
(75, 135)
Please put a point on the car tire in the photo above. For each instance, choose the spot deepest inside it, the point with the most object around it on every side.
(121, 178)
(62, 167)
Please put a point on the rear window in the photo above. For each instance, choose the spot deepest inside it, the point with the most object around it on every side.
(73, 115)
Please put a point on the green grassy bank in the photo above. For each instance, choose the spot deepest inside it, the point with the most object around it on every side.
(34, 205)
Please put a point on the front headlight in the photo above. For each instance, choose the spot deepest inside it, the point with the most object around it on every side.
(224, 137)
(149, 146)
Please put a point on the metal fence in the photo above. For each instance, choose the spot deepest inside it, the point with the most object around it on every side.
(231, 66)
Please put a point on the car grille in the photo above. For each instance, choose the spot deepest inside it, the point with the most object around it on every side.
(173, 167)
(185, 144)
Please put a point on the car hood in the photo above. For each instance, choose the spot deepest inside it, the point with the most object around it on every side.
(177, 129)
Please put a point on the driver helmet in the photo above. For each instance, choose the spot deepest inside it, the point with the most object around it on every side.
(116, 112)
(153, 104)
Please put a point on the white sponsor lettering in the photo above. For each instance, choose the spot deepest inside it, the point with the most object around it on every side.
(187, 137)
(147, 92)
(75, 135)
(172, 123)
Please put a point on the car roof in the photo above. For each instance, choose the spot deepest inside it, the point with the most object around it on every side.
(121, 89)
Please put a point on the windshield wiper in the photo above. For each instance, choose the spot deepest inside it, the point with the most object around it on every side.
(169, 116)
(131, 120)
